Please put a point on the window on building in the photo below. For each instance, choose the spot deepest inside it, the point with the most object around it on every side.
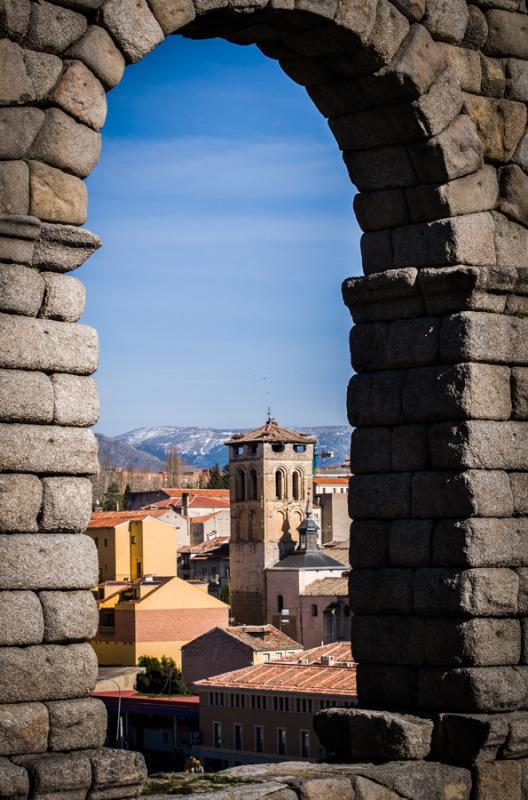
(240, 486)
(132, 540)
(281, 741)
(281, 703)
(96, 540)
(237, 736)
(315, 610)
(265, 657)
(296, 485)
(299, 448)
(107, 620)
(277, 448)
(138, 566)
(259, 739)
(217, 734)
(252, 484)
(280, 603)
(305, 744)
(106, 542)
(279, 485)
(237, 450)
(252, 449)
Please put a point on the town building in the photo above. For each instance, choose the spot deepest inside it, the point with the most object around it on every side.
(165, 729)
(331, 495)
(270, 472)
(264, 713)
(207, 562)
(325, 612)
(131, 544)
(176, 497)
(215, 524)
(153, 616)
(287, 579)
(227, 649)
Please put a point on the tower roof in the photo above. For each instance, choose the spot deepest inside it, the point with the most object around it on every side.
(271, 432)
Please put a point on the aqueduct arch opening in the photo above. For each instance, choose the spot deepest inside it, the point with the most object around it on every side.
(427, 101)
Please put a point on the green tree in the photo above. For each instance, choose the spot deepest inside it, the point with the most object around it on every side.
(160, 676)
(113, 499)
(215, 478)
(126, 495)
(225, 477)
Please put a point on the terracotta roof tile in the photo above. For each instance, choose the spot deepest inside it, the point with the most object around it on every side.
(327, 587)
(263, 637)
(271, 432)
(340, 652)
(325, 480)
(109, 519)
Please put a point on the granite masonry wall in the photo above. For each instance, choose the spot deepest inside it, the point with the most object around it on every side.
(427, 102)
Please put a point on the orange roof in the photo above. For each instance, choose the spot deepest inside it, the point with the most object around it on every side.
(205, 547)
(327, 587)
(271, 432)
(262, 637)
(202, 501)
(209, 492)
(325, 480)
(109, 519)
(326, 670)
(206, 518)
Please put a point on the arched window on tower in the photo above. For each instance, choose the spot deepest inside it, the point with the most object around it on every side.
(240, 485)
(252, 484)
(279, 485)
(251, 518)
(297, 485)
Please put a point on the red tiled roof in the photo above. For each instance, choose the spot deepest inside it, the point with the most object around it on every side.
(325, 480)
(191, 492)
(340, 652)
(131, 694)
(206, 518)
(327, 587)
(271, 432)
(109, 519)
(289, 675)
(205, 547)
(263, 637)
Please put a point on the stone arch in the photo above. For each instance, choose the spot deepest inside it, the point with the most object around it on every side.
(433, 134)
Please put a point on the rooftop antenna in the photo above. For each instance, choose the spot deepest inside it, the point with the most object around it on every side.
(270, 416)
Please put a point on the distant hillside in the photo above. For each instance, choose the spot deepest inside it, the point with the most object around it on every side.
(203, 447)
(116, 453)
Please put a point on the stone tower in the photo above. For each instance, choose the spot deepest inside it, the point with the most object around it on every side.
(270, 482)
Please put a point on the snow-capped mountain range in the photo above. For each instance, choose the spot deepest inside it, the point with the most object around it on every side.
(202, 447)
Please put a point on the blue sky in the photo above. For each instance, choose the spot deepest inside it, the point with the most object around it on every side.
(226, 216)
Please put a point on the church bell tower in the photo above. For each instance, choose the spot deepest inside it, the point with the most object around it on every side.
(271, 474)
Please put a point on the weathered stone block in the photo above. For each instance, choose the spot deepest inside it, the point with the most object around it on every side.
(465, 63)
(499, 779)
(493, 77)
(25, 396)
(18, 128)
(53, 29)
(517, 80)
(76, 400)
(455, 152)
(48, 561)
(511, 241)
(69, 615)
(472, 738)
(381, 591)
(21, 620)
(58, 775)
(513, 191)
(468, 239)
(474, 642)
(117, 768)
(47, 345)
(483, 493)
(520, 393)
(476, 592)
(62, 248)
(66, 505)
(387, 686)
(479, 444)
(46, 672)
(410, 542)
(388, 640)
(14, 781)
(20, 501)
(97, 50)
(475, 192)
(24, 728)
(478, 336)
(384, 296)
(481, 543)
(376, 251)
(21, 290)
(15, 85)
(14, 187)
(133, 26)
(44, 71)
(369, 543)
(447, 21)
(57, 196)
(48, 449)
(77, 724)
(381, 168)
(367, 735)
(80, 93)
(66, 144)
(375, 398)
(459, 392)
(424, 335)
(384, 495)
(64, 297)
(14, 18)
(173, 15)
(370, 450)
(383, 209)
(519, 487)
(410, 449)
(507, 34)
(500, 124)
(470, 689)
